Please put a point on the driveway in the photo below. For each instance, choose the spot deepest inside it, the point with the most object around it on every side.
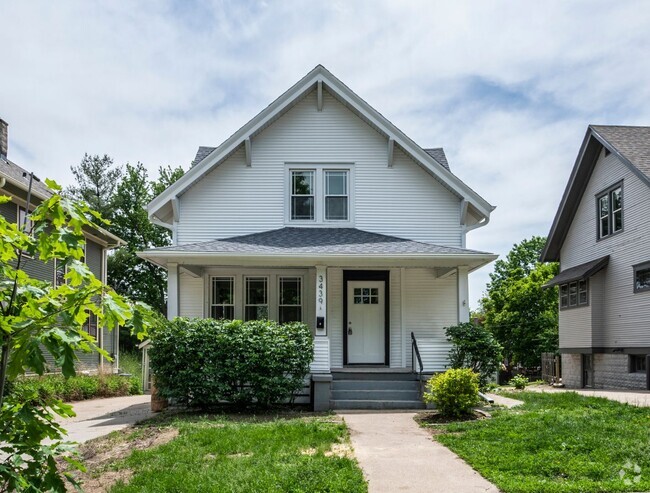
(99, 417)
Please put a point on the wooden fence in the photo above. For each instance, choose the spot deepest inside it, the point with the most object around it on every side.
(551, 368)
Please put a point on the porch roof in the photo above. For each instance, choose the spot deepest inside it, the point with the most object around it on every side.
(321, 245)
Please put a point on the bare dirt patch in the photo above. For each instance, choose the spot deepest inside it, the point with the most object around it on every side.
(100, 454)
(343, 450)
(435, 418)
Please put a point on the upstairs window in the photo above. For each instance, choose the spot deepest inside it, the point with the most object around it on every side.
(574, 294)
(302, 195)
(610, 212)
(642, 277)
(336, 195)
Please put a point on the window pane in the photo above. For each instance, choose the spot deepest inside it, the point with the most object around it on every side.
(604, 226)
(91, 324)
(256, 291)
(302, 208)
(222, 291)
(573, 294)
(290, 291)
(290, 314)
(336, 183)
(618, 220)
(616, 199)
(642, 279)
(582, 292)
(59, 279)
(225, 312)
(604, 206)
(257, 313)
(302, 183)
(336, 208)
(564, 301)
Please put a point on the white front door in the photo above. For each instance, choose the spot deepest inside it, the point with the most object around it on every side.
(366, 322)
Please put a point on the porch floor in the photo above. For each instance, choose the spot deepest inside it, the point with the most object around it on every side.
(370, 369)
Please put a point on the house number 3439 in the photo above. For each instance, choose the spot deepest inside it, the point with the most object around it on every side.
(320, 289)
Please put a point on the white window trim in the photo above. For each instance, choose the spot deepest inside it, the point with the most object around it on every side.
(319, 194)
(302, 295)
(325, 195)
(245, 305)
(313, 193)
(211, 293)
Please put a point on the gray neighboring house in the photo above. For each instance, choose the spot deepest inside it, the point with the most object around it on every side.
(14, 183)
(601, 237)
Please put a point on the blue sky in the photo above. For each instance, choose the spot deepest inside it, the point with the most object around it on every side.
(508, 88)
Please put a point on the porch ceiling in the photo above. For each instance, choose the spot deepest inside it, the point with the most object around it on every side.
(300, 247)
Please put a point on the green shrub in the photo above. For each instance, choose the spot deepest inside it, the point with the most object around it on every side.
(519, 381)
(201, 362)
(476, 348)
(77, 388)
(454, 392)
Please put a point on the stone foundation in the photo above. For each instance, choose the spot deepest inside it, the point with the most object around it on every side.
(611, 371)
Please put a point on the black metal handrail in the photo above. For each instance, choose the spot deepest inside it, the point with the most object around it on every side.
(415, 351)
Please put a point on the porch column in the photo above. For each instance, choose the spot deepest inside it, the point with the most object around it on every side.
(320, 367)
(463, 293)
(172, 290)
(321, 300)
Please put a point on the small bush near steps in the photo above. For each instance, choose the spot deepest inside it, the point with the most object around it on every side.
(454, 392)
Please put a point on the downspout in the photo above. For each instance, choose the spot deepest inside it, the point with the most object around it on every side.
(101, 332)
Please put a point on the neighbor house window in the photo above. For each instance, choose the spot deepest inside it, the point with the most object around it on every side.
(290, 299)
(642, 277)
(222, 301)
(637, 363)
(61, 268)
(22, 217)
(257, 298)
(302, 195)
(336, 195)
(91, 324)
(610, 212)
(574, 294)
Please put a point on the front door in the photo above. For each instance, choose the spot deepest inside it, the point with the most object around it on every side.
(366, 322)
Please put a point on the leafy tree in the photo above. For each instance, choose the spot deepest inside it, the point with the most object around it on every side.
(127, 273)
(96, 181)
(523, 316)
(474, 347)
(37, 317)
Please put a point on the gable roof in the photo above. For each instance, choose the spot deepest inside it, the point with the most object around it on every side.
(201, 154)
(632, 147)
(161, 208)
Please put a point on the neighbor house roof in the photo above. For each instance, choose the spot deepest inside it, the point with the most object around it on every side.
(630, 144)
(18, 177)
(162, 209)
(315, 243)
(583, 271)
(438, 153)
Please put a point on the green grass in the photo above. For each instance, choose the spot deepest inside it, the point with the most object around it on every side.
(558, 443)
(221, 455)
(131, 362)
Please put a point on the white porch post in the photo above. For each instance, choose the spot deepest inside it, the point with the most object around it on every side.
(463, 293)
(321, 300)
(172, 290)
(320, 366)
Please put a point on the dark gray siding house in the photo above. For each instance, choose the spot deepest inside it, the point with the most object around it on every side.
(14, 183)
(601, 237)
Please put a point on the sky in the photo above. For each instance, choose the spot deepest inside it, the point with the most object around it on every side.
(506, 87)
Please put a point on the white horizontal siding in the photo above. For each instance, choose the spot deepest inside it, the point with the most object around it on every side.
(430, 305)
(434, 354)
(576, 326)
(321, 362)
(190, 293)
(625, 314)
(403, 200)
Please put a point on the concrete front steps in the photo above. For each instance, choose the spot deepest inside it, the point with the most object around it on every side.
(359, 389)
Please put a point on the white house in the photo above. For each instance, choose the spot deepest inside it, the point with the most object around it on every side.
(321, 210)
(601, 237)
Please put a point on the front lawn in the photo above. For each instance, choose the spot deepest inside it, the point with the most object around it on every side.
(230, 454)
(559, 442)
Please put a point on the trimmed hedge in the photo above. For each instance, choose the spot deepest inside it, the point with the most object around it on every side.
(77, 388)
(204, 362)
(454, 392)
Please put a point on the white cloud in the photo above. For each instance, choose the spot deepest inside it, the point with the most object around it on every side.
(507, 87)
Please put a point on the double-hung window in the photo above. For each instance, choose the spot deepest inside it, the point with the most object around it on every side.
(610, 211)
(574, 294)
(302, 195)
(222, 302)
(91, 324)
(319, 195)
(290, 299)
(256, 305)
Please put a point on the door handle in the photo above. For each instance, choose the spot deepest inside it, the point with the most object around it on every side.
(349, 331)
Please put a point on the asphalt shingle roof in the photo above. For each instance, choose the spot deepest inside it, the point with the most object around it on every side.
(632, 142)
(201, 154)
(324, 241)
(439, 155)
(12, 170)
(582, 271)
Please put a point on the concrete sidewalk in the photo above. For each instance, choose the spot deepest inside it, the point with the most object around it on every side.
(396, 455)
(99, 417)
